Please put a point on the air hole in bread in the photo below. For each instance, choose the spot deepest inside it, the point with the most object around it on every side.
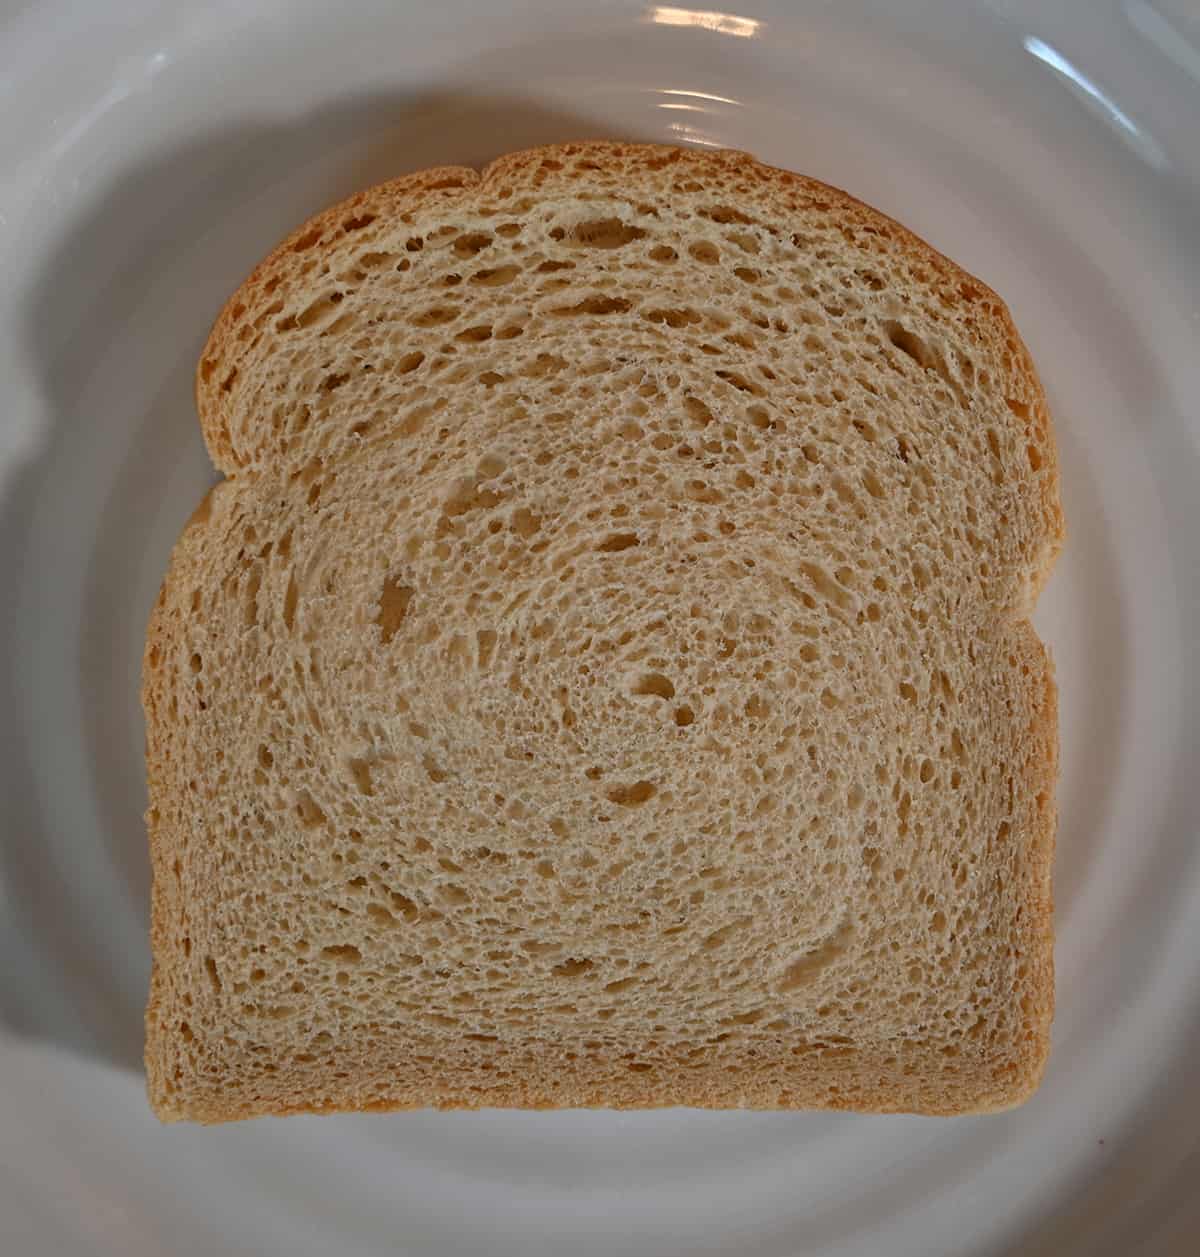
(702, 491)
(495, 276)
(620, 984)
(360, 773)
(486, 645)
(307, 240)
(725, 214)
(309, 811)
(313, 315)
(742, 383)
(525, 523)
(759, 417)
(253, 584)
(618, 541)
(210, 967)
(744, 241)
(573, 968)
(808, 967)
(757, 707)
(655, 684)
(604, 233)
(372, 260)
(633, 795)
(826, 586)
(719, 937)
(678, 317)
(291, 599)
(383, 916)
(698, 412)
(435, 316)
(394, 601)
(597, 304)
(926, 356)
(864, 429)
(477, 334)
(471, 243)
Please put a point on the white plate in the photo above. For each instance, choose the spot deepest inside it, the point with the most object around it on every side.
(152, 150)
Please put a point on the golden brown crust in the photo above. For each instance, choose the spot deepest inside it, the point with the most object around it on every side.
(860, 1084)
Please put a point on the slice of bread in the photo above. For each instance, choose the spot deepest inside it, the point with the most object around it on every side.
(604, 675)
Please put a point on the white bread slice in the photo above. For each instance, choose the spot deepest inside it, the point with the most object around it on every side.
(604, 675)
